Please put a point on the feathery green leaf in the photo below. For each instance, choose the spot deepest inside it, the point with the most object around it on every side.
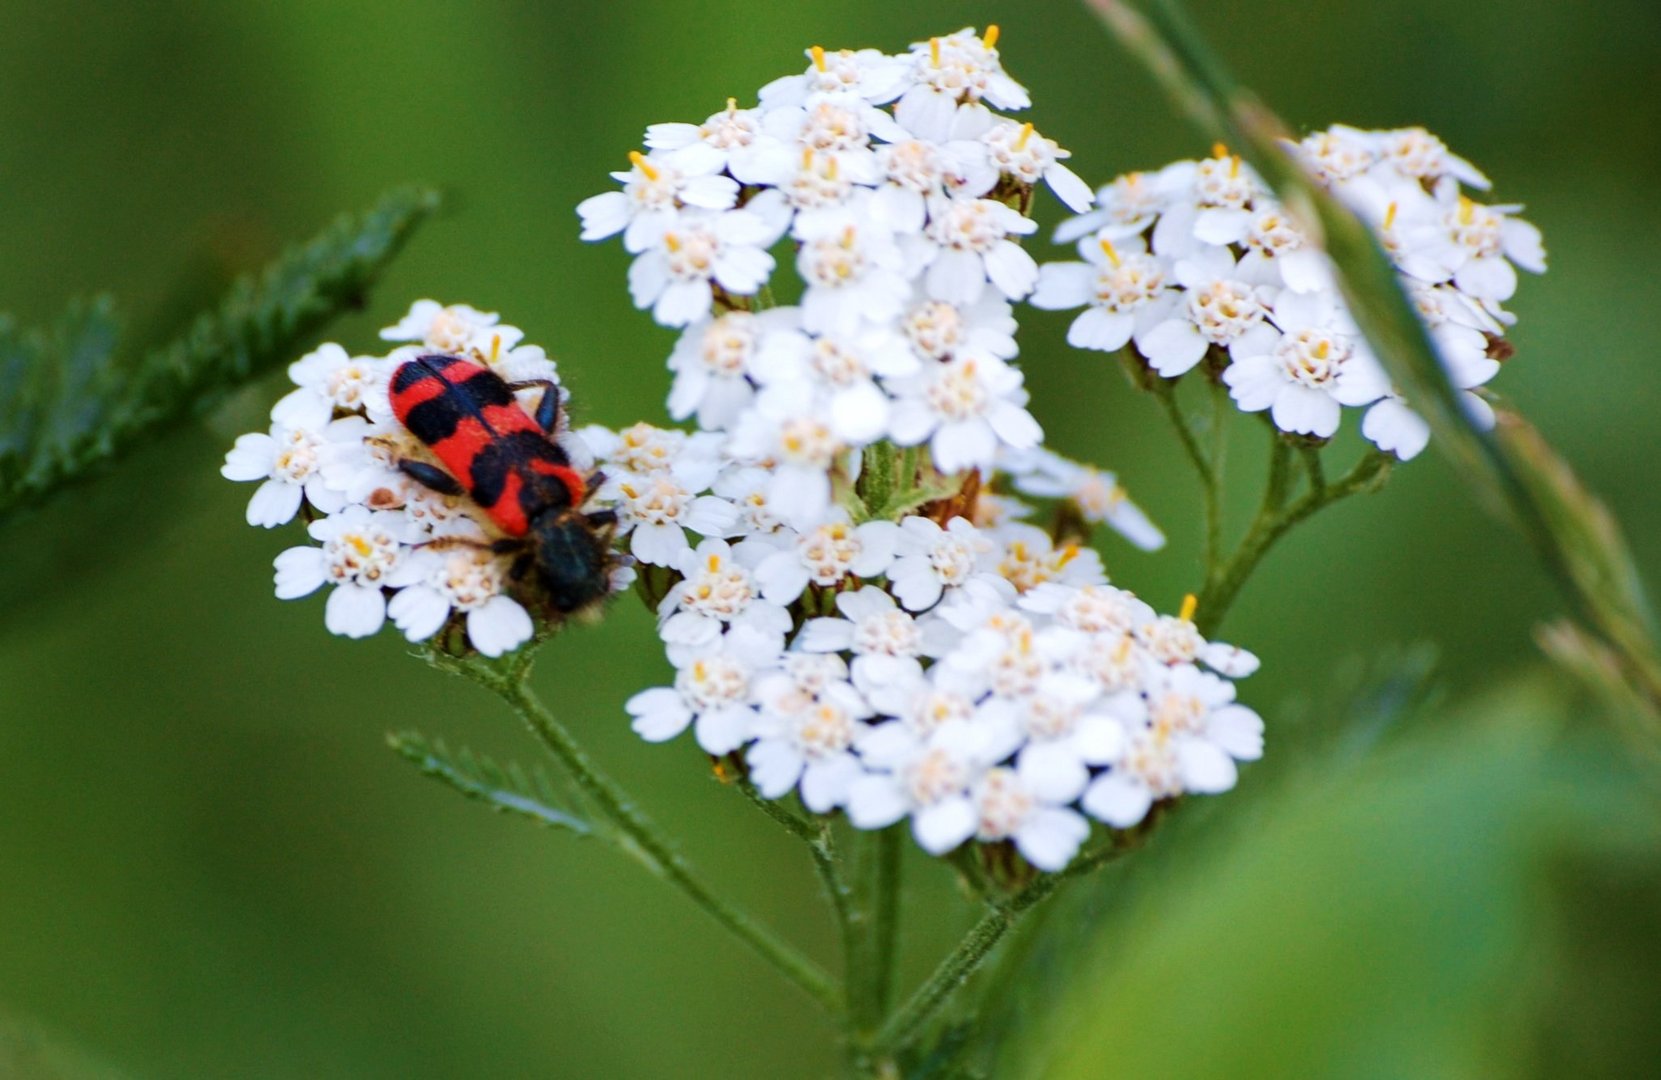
(72, 399)
(510, 789)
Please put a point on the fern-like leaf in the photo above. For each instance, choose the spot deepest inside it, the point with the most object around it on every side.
(72, 400)
(508, 789)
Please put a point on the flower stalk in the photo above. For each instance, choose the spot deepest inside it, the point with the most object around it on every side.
(636, 834)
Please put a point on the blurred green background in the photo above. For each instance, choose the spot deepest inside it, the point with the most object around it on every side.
(211, 866)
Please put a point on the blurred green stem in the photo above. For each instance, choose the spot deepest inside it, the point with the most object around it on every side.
(1275, 517)
(909, 1021)
(820, 845)
(636, 833)
(870, 946)
(1205, 464)
(1221, 408)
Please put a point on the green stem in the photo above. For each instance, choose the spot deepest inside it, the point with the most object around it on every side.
(1273, 521)
(1313, 467)
(1220, 409)
(1206, 465)
(885, 915)
(641, 838)
(820, 846)
(1167, 395)
(907, 1023)
(876, 478)
(869, 947)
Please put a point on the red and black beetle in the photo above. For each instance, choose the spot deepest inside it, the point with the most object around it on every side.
(512, 467)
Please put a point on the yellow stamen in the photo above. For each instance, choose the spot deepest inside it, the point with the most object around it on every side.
(359, 544)
(1390, 216)
(807, 158)
(1219, 151)
(1112, 256)
(732, 106)
(818, 52)
(1467, 210)
(495, 347)
(1189, 604)
(830, 169)
(990, 38)
(934, 51)
(714, 563)
(1021, 139)
(1234, 168)
(643, 165)
(672, 241)
(1066, 555)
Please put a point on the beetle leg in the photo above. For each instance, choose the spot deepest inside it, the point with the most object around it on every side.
(548, 409)
(430, 476)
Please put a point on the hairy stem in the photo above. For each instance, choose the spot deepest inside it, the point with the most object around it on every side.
(1167, 395)
(820, 845)
(1220, 409)
(637, 835)
(908, 1022)
(1272, 523)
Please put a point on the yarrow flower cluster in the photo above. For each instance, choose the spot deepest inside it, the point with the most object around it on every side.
(390, 547)
(901, 193)
(858, 605)
(1198, 260)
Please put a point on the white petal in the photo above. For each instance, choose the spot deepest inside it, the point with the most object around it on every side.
(1173, 347)
(1062, 285)
(418, 612)
(659, 714)
(682, 303)
(498, 626)
(1051, 837)
(302, 408)
(825, 784)
(1072, 191)
(1229, 660)
(1052, 771)
(300, 571)
(957, 277)
(1392, 426)
(721, 731)
(1489, 277)
(657, 545)
(826, 635)
(1254, 382)
(1100, 329)
(250, 458)
(1205, 768)
(775, 766)
(1305, 411)
(274, 503)
(875, 802)
(1119, 800)
(1011, 268)
(1216, 225)
(354, 611)
(945, 825)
